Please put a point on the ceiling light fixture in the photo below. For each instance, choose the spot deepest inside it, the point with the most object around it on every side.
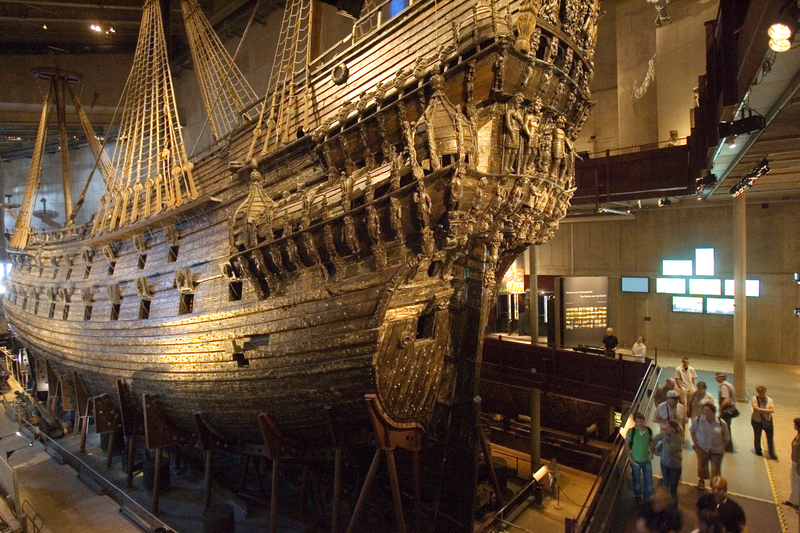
(780, 45)
(781, 32)
(614, 211)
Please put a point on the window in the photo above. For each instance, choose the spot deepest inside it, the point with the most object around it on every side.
(87, 313)
(142, 261)
(52, 312)
(187, 303)
(241, 360)
(65, 315)
(69, 273)
(111, 265)
(235, 290)
(425, 325)
(87, 270)
(115, 311)
(173, 253)
(396, 6)
(144, 309)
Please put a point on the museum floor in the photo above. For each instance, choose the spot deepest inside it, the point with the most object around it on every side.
(65, 504)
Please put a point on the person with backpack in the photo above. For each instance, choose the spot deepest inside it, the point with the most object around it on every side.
(710, 436)
(640, 449)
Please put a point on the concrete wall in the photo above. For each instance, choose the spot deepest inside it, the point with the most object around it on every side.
(636, 247)
(628, 39)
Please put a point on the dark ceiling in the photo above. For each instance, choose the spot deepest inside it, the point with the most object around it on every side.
(65, 27)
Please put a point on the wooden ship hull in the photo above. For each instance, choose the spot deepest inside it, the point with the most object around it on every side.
(361, 257)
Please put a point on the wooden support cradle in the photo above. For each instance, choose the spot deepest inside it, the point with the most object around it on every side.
(391, 435)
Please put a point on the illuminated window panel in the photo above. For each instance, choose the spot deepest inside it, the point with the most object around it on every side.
(674, 267)
(752, 287)
(687, 304)
(719, 306)
(709, 287)
(671, 285)
(704, 262)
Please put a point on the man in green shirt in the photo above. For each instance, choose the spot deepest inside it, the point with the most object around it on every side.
(640, 448)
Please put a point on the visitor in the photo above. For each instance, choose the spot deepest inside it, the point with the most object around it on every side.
(610, 342)
(640, 447)
(794, 497)
(701, 396)
(639, 349)
(731, 513)
(710, 435)
(727, 404)
(709, 521)
(660, 514)
(671, 442)
(685, 377)
(763, 409)
(661, 392)
(669, 410)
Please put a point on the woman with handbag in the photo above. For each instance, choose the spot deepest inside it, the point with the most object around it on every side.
(763, 408)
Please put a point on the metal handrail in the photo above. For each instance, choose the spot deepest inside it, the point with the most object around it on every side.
(587, 513)
(26, 514)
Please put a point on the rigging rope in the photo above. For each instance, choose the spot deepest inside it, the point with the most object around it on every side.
(149, 156)
(22, 229)
(226, 93)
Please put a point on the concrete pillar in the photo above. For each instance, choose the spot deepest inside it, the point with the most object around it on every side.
(536, 429)
(534, 290)
(739, 299)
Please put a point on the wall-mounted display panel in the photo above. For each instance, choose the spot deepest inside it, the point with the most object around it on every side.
(671, 285)
(752, 288)
(719, 306)
(710, 287)
(677, 267)
(635, 284)
(585, 310)
(704, 262)
(687, 304)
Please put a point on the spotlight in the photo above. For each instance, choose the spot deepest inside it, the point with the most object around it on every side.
(743, 126)
(781, 32)
(797, 277)
(782, 45)
(747, 181)
(664, 202)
